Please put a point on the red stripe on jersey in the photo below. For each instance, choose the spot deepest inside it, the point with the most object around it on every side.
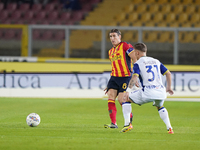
(127, 69)
(121, 68)
(115, 73)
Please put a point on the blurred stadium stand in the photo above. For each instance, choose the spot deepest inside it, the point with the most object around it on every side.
(150, 13)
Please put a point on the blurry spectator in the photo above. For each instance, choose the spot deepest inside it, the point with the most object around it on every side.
(17, 1)
(25, 1)
(70, 5)
(44, 2)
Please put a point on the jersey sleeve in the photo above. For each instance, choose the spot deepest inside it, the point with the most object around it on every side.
(163, 69)
(128, 48)
(136, 69)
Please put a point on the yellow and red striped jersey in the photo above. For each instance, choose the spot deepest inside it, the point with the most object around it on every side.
(120, 60)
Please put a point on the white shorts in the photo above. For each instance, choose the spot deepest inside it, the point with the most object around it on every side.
(137, 98)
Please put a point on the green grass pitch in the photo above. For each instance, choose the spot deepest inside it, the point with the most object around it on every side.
(70, 124)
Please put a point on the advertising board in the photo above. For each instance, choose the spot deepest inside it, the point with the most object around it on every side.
(82, 85)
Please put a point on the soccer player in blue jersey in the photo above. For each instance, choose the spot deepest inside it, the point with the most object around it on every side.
(149, 70)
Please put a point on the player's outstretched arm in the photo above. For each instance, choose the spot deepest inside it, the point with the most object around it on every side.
(168, 88)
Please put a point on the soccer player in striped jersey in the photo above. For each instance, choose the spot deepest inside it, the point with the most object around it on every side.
(149, 71)
(122, 58)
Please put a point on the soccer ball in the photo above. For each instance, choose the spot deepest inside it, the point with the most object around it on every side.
(33, 120)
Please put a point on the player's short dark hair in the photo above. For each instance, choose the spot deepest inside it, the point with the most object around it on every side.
(115, 31)
(141, 47)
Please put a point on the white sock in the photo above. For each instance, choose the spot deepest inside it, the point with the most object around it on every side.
(165, 117)
(126, 109)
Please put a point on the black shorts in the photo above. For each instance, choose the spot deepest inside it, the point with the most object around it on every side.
(118, 83)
